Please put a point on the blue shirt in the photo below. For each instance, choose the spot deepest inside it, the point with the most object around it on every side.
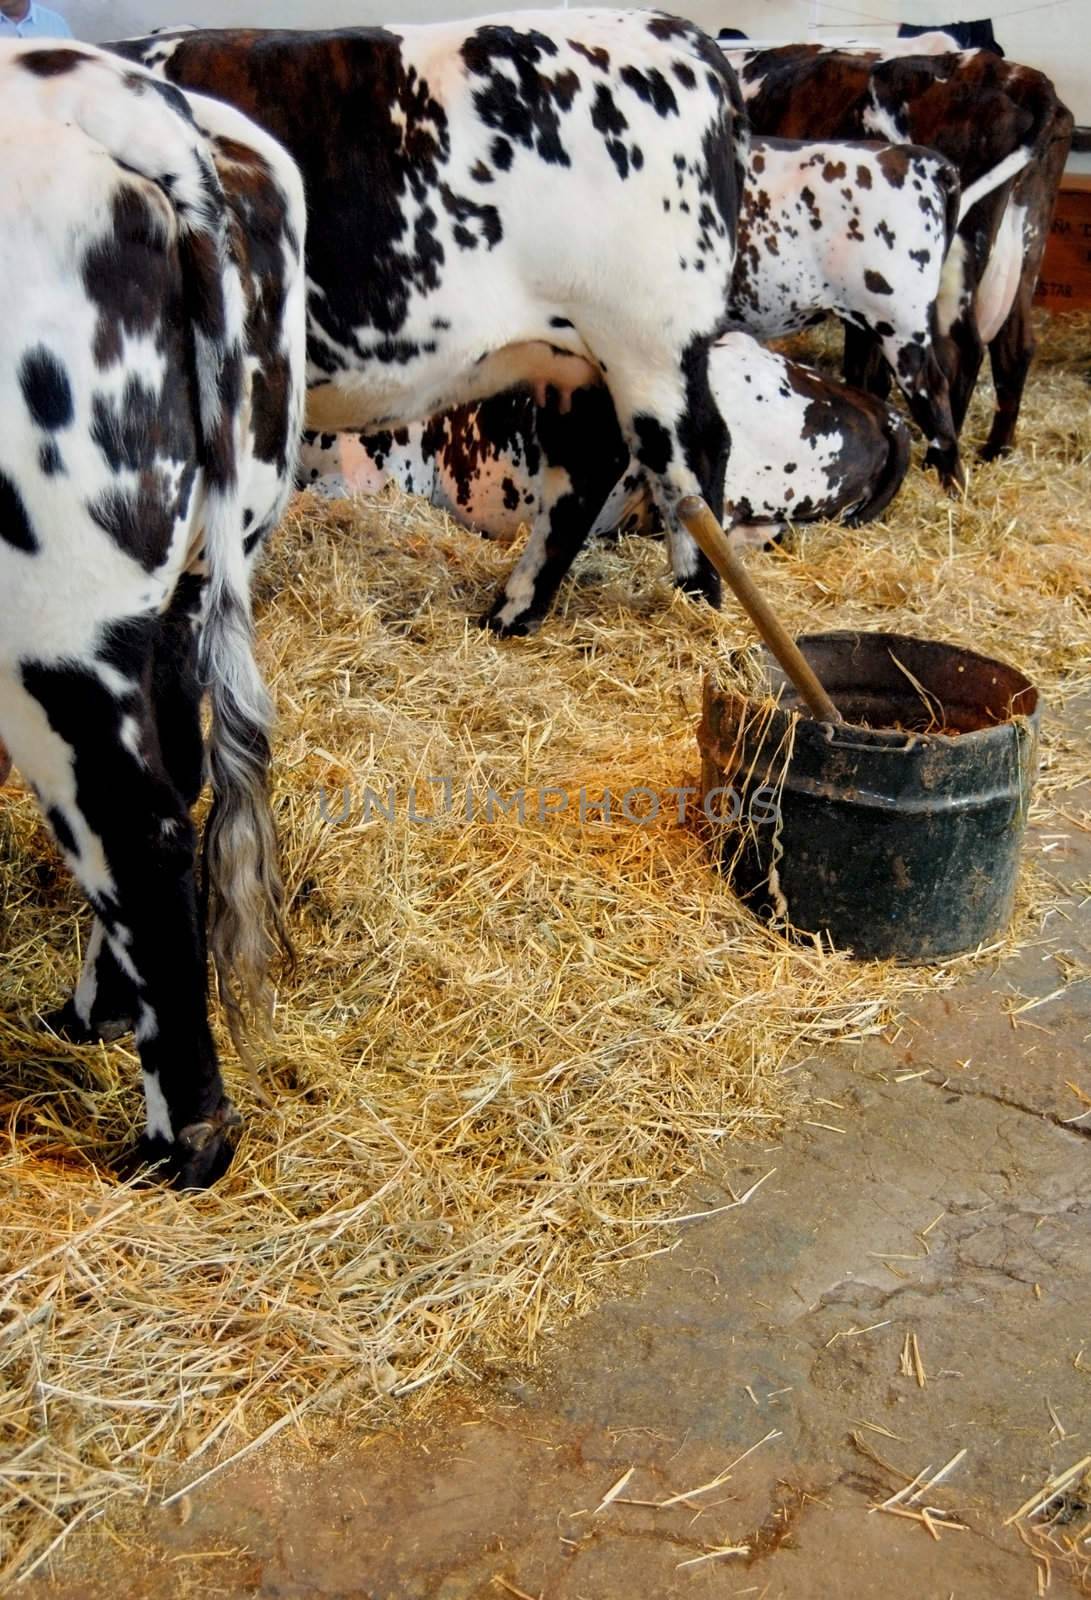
(37, 24)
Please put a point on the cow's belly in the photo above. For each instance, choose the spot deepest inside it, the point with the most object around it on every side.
(488, 490)
(360, 470)
(500, 501)
(363, 401)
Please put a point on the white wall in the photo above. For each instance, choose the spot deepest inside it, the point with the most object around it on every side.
(1055, 36)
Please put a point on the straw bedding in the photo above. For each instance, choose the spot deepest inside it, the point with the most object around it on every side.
(508, 1045)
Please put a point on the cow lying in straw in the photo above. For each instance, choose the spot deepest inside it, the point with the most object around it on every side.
(151, 385)
(802, 448)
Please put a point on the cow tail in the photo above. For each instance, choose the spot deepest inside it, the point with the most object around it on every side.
(1010, 167)
(242, 882)
(890, 478)
(952, 275)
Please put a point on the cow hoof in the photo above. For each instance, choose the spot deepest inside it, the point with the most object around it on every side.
(952, 475)
(67, 1023)
(702, 585)
(199, 1156)
(519, 627)
(993, 452)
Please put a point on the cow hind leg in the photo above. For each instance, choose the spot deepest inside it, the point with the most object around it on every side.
(862, 364)
(583, 456)
(1010, 355)
(960, 353)
(1011, 350)
(104, 1005)
(925, 387)
(671, 424)
(93, 756)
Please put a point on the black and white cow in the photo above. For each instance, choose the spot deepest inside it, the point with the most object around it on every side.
(1000, 124)
(860, 230)
(151, 384)
(545, 198)
(803, 448)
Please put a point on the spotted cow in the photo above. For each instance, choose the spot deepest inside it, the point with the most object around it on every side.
(861, 230)
(803, 448)
(482, 463)
(1002, 127)
(547, 198)
(151, 384)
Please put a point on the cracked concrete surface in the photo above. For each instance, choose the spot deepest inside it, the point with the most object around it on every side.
(948, 1200)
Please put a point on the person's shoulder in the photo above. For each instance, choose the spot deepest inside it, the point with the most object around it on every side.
(51, 22)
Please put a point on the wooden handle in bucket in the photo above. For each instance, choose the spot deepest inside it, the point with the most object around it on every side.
(712, 539)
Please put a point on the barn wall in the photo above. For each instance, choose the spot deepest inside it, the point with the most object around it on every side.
(1052, 37)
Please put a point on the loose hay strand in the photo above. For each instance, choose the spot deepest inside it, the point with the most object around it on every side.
(1054, 1487)
(509, 1046)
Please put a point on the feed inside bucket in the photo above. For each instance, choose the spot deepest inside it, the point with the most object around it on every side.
(897, 833)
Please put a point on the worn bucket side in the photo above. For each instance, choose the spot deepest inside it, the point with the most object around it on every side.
(892, 841)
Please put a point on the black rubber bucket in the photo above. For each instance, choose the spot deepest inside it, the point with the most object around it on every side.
(890, 837)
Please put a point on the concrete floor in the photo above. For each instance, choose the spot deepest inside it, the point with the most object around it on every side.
(941, 1191)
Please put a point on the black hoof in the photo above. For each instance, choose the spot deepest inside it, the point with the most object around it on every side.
(993, 452)
(952, 475)
(198, 1157)
(703, 586)
(520, 628)
(66, 1023)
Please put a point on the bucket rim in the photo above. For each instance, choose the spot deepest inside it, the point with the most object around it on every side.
(894, 739)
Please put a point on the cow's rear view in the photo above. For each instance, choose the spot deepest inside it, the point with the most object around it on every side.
(130, 464)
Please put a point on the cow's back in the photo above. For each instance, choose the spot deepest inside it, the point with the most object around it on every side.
(803, 91)
(970, 105)
(521, 152)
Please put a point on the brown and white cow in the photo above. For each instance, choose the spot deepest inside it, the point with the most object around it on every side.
(991, 118)
(151, 384)
(803, 448)
(486, 207)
